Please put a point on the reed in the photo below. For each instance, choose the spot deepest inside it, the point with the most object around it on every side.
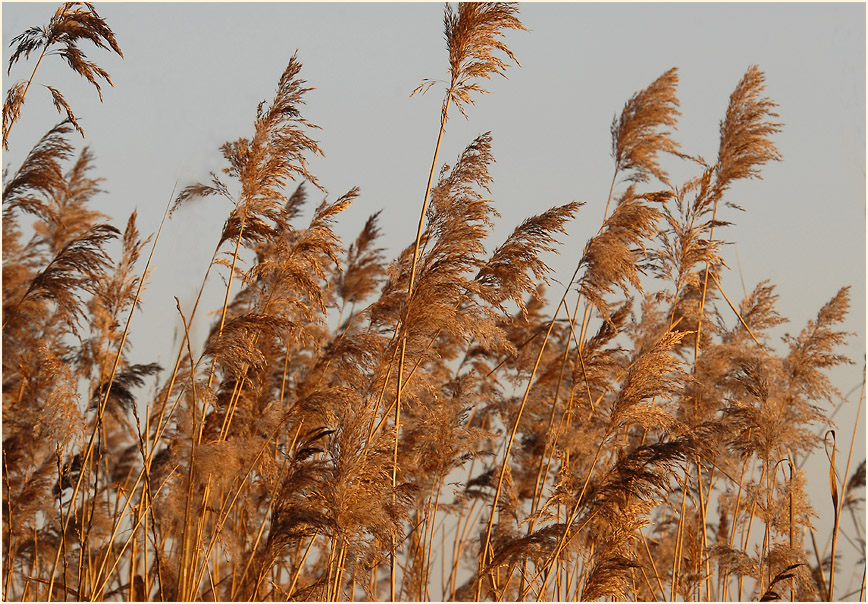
(452, 422)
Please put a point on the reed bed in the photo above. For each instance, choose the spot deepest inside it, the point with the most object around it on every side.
(448, 424)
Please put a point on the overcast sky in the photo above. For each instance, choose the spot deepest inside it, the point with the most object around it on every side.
(194, 73)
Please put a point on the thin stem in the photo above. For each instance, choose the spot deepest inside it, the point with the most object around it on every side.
(609, 198)
(427, 559)
(653, 565)
(679, 539)
(301, 564)
(703, 507)
(228, 289)
(407, 312)
(843, 495)
(15, 114)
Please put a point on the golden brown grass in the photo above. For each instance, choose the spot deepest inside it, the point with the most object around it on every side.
(419, 428)
(71, 23)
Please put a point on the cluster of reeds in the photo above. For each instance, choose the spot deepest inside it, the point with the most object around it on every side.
(422, 428)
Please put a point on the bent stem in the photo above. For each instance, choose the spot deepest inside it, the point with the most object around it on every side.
(839, 504)
(16, 114)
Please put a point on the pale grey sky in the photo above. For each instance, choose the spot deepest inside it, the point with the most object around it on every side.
(193, 74)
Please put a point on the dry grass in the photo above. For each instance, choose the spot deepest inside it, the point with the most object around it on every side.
(416, 428)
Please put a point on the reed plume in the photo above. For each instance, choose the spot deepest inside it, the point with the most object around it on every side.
(71, 23)
(637, 135)
(745, 132)
(473, 35)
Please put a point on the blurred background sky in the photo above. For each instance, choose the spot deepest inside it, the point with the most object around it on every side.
(193, 74)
